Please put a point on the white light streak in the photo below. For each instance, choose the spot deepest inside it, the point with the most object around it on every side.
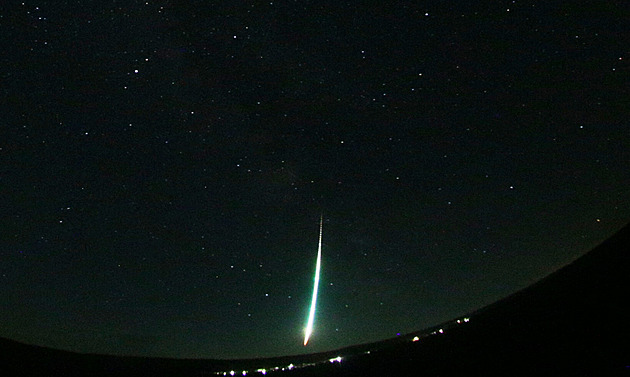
(311, 315)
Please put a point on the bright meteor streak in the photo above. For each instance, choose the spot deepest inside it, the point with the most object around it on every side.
(311, 315)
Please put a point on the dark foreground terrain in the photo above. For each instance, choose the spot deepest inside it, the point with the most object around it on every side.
(572, 323)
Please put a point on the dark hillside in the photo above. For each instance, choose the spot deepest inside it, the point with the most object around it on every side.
(574, 322)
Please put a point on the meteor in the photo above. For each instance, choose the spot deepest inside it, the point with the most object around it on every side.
(311, 314)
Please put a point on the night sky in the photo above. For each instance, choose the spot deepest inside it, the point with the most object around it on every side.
(164, 165)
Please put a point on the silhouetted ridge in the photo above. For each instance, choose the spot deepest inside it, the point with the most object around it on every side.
(571, 323)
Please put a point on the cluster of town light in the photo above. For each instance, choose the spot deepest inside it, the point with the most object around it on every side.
(441, 331)
(337, 359)
(264, 371)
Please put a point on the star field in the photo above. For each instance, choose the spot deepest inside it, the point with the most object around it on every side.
(163, 166)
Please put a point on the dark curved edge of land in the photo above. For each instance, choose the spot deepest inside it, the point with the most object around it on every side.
(572, 323)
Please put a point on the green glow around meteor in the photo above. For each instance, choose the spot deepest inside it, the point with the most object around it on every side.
(311, 314)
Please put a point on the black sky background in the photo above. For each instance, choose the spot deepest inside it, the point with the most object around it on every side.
(163, 166)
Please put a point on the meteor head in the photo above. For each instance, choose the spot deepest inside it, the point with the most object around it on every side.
(307, 334)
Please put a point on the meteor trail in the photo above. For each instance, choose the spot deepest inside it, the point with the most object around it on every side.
(311, 315)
